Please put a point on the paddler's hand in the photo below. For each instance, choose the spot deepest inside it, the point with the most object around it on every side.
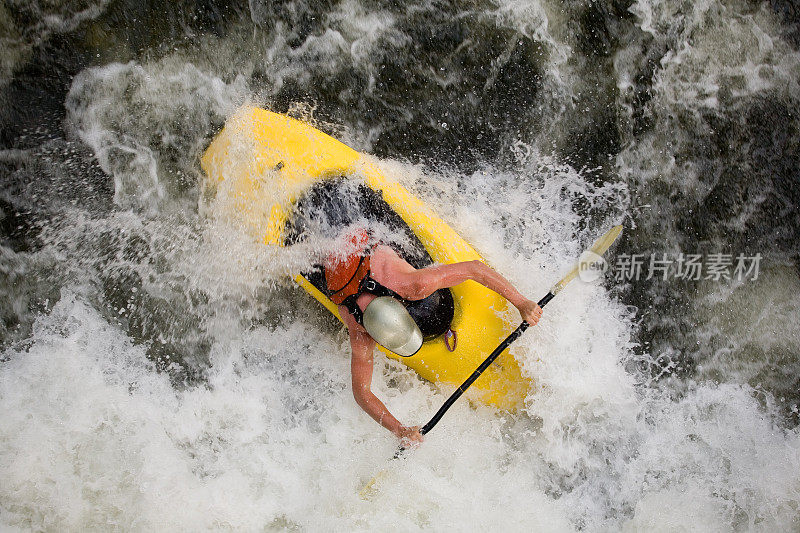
(410, 437)
(530, 311)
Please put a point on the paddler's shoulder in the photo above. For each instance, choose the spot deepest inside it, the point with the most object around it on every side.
(385, 261)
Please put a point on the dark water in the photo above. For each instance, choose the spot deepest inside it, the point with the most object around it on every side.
(530, 127)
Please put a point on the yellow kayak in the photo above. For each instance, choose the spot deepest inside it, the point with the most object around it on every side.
(268, 160)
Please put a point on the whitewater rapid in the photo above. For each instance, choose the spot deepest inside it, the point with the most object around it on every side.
(161, 371)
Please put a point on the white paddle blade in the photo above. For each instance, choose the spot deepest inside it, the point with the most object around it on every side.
(599, 247)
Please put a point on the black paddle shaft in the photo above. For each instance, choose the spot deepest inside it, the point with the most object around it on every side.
(478, 371)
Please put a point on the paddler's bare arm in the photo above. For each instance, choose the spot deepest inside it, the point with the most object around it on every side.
(361, 364)
(416, 284)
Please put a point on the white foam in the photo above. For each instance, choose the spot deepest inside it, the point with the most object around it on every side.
(93, 437)
(141, 122)
(26, 26)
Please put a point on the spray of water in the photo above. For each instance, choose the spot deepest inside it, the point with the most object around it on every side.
(160, 371)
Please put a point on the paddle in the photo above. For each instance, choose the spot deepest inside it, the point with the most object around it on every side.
(598, 248)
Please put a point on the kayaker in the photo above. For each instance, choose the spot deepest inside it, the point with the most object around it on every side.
(382, 298)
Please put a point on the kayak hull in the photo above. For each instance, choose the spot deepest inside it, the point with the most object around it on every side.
(267, 160)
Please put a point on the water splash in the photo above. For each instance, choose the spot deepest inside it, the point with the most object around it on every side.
(160, 371)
